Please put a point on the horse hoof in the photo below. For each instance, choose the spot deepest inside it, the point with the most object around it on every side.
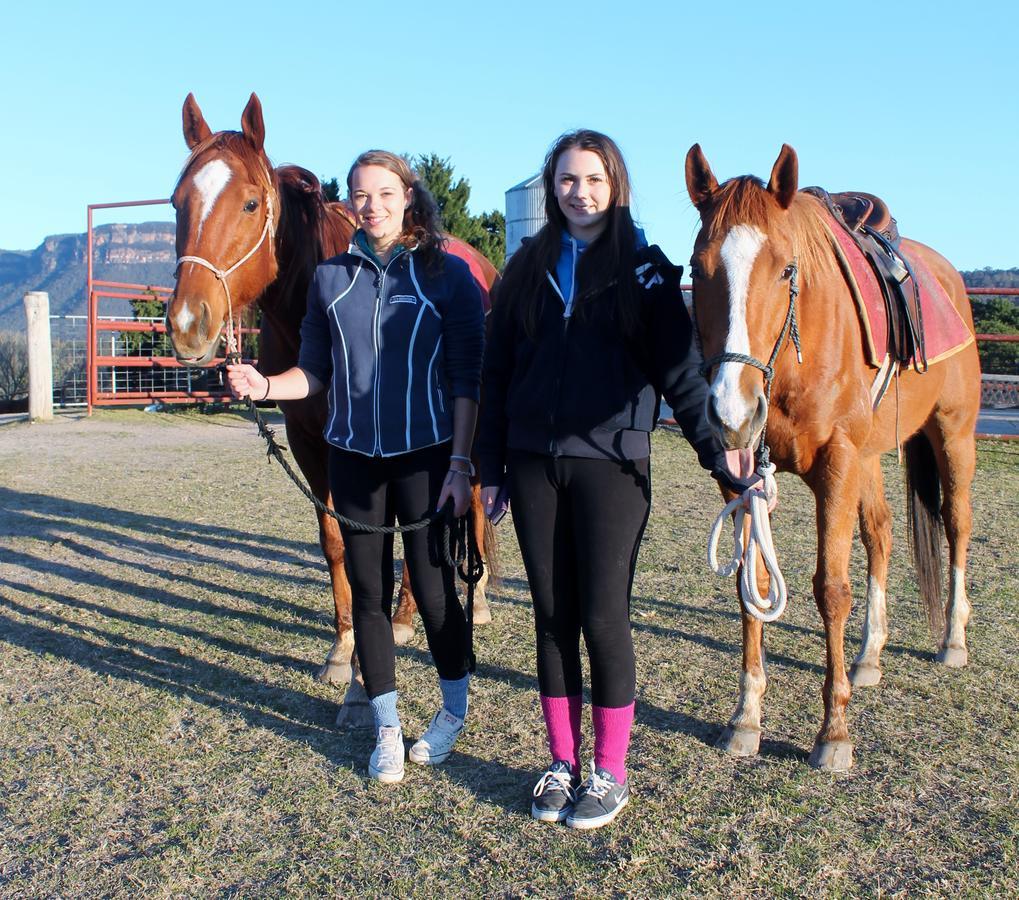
(355, 715)
(832, 756)
(482, 614)
(864, 676)
(334, 673)
(739, 741)
(953, 657)
(402, 633)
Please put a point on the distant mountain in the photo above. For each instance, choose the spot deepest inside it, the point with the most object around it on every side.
(136, 254)
(991, 278)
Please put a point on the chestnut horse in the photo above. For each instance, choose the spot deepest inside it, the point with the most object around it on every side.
(266, 229)
(821, 424)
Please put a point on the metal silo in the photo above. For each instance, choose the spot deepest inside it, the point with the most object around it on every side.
(525, 211)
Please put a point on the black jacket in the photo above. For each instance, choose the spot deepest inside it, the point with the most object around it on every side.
(580, 389)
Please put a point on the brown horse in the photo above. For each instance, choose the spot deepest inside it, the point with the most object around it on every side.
(248, 232)
(821, 423)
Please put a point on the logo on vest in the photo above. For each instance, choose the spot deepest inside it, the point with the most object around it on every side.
(403, 298)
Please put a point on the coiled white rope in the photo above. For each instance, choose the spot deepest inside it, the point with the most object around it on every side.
(753, 502)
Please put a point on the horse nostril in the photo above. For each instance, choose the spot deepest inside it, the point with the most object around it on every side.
(204, 321)
(760, 414)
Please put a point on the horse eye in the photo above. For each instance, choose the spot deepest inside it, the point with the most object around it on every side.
(251, 206)
(787, 272)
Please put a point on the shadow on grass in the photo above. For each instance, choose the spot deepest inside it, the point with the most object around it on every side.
(87, 518)
(151, 594)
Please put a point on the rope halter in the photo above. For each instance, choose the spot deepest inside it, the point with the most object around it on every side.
(268, 230)
(754, 500)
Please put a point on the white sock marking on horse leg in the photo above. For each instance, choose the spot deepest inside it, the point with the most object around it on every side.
(739, 250)
(210, 180)
(747, 716)
(958, 610)
(875, 626)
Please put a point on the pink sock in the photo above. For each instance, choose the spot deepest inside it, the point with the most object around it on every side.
(612, 738)
(562, 721)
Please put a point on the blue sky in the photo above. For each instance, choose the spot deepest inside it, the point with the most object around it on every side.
(93, 93)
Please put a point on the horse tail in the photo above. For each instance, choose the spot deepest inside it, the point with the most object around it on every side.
(923, 507)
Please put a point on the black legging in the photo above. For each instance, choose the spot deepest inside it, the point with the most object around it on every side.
(579, 523)
(375, 490)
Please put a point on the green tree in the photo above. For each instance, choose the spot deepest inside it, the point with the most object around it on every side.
(997, 315)
(485, 232)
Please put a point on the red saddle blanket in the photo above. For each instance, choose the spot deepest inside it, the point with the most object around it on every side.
(944, 330)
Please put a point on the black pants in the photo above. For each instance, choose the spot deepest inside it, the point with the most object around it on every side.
(377, 490)
(579, 523)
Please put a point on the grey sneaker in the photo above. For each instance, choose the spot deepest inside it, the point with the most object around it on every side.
(554, 793)
(599, 800)
(386, 763)
(437, 742)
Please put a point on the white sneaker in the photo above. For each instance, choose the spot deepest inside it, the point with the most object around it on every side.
(386, 763)
(437, 742)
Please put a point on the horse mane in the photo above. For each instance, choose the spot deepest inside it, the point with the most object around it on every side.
(746, 200)
(310, 230)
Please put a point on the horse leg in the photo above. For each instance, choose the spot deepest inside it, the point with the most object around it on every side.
(482, 611)
(742, 736)
(403, 618)
(876, 533)
(311, 455)
(355, 711)
(835, 481)
(956, 457)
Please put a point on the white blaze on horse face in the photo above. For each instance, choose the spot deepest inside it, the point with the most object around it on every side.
(183, 320)
(738, 253)
(210, 181)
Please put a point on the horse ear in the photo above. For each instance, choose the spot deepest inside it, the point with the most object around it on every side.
(785, 177)
(252, 124)
(700, 180)
(196, 129)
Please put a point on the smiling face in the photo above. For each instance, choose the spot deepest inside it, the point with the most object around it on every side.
(379, 200)
(583, 191)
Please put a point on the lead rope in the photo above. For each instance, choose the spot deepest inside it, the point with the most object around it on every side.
(453, 542)
(753, 502)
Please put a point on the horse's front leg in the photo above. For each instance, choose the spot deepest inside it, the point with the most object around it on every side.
(835, 480)
(484, 536)
(337, 666)
(312, 456)
(403, 618)
(742, 736)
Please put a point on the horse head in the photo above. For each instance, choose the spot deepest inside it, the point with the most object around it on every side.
(227, 207)
(743, 269)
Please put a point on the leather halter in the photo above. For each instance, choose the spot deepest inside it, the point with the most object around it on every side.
(221, 274)
(790, 329)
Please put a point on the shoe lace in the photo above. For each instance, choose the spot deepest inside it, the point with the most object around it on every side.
(386, 747)
(596, 786)
(552, 780)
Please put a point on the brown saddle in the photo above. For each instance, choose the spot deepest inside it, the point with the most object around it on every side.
(858, 209)
(867, 219)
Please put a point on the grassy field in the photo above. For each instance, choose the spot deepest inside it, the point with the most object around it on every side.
(163, 610)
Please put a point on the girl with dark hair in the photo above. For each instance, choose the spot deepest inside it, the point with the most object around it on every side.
(395, 328)
(587, 333)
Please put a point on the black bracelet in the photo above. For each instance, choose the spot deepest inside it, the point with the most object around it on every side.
(265, 396)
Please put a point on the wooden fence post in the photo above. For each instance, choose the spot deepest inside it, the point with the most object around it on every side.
(40, 356)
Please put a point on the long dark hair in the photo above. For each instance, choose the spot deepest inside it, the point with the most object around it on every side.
(422, 225)
(606, 262)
